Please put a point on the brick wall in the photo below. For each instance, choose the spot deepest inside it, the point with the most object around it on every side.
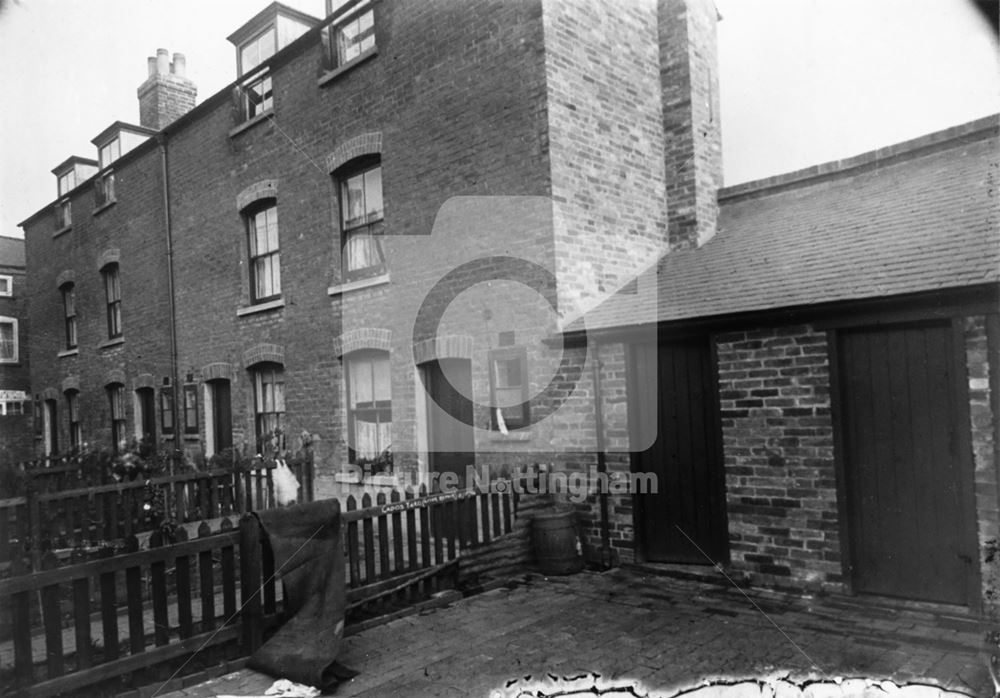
(16, 441)
(982, 424)
(693, 136)
(133, 226)
(602, 72)
(774, 387)
(459, 111)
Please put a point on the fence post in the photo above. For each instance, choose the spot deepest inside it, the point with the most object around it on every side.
(250, 571)
(34, 526)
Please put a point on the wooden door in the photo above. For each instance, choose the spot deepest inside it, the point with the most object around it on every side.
(450, 439)
(222, 414)
(907, 481)
(147, 413)
(685, 520)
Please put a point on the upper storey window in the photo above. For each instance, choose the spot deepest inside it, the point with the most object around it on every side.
(352, 34)
(70, 173)
(268, 32)
(67, 182)
(361, 215)
(105, 189)
(112, 143)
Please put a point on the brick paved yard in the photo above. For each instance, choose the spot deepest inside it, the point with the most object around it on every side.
(666, 633)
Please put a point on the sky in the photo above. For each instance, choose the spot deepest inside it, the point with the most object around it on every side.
(801, 81)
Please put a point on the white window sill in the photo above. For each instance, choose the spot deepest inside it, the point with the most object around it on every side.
(261, 307)
(519, 435)
(63, 230)
(105, 206)
(68, 352)
(109, 343)
(331, 75)
(359, 284)
(251, 122)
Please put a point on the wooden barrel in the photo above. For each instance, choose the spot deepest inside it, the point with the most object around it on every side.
(554, 536)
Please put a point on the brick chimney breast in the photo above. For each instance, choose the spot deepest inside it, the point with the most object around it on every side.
(167, 94)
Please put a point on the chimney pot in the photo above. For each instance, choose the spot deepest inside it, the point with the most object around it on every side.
(162, 61)
(161, 101)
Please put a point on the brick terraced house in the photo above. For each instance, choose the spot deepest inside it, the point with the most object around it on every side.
(15, 381)
(386, 233)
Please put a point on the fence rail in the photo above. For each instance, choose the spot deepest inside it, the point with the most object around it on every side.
(73, 626)
(88, 516)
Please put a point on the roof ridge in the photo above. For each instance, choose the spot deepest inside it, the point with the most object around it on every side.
(949, 137)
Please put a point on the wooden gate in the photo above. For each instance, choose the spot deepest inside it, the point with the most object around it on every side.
(685, 519)
(907, 470)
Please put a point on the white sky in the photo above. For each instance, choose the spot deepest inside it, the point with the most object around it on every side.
(802, 81)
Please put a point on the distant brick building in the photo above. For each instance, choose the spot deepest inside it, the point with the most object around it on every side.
(15, 386)
(384, 235)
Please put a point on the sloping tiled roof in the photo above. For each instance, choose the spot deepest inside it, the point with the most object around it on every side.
(914, 217)
(11, 252)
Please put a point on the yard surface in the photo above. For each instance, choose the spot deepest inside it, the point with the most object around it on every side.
(653, 632)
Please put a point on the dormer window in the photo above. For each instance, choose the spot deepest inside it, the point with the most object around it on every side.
(258, 40)
(116, 140)
(69, 174)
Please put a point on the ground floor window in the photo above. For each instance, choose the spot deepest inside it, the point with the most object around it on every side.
(269, 407)
(73, 414)
(369, 411)
(116, 396)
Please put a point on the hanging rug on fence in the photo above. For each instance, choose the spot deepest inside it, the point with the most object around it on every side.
(309, 561)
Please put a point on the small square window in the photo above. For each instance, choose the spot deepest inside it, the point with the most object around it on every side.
(258, 96)
(6, 285)
(509, 389)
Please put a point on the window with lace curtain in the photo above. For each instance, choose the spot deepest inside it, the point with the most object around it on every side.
(269, 405)
(361, 220)
(369, 411)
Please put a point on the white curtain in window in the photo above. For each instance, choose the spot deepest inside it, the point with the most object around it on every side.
(7, 340)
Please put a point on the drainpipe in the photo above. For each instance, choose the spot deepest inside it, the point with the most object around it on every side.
(602, 464)
(161, 140)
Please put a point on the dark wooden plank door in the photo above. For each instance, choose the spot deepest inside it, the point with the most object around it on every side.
(147, 413)
(222, 414)
(685, 520)
(450, 436)
(908, 495)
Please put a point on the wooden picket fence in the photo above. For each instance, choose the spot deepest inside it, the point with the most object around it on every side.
(85, 517)
(67, 627)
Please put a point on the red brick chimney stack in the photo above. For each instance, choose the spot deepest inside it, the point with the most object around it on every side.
(689, 83)
(167, 93)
